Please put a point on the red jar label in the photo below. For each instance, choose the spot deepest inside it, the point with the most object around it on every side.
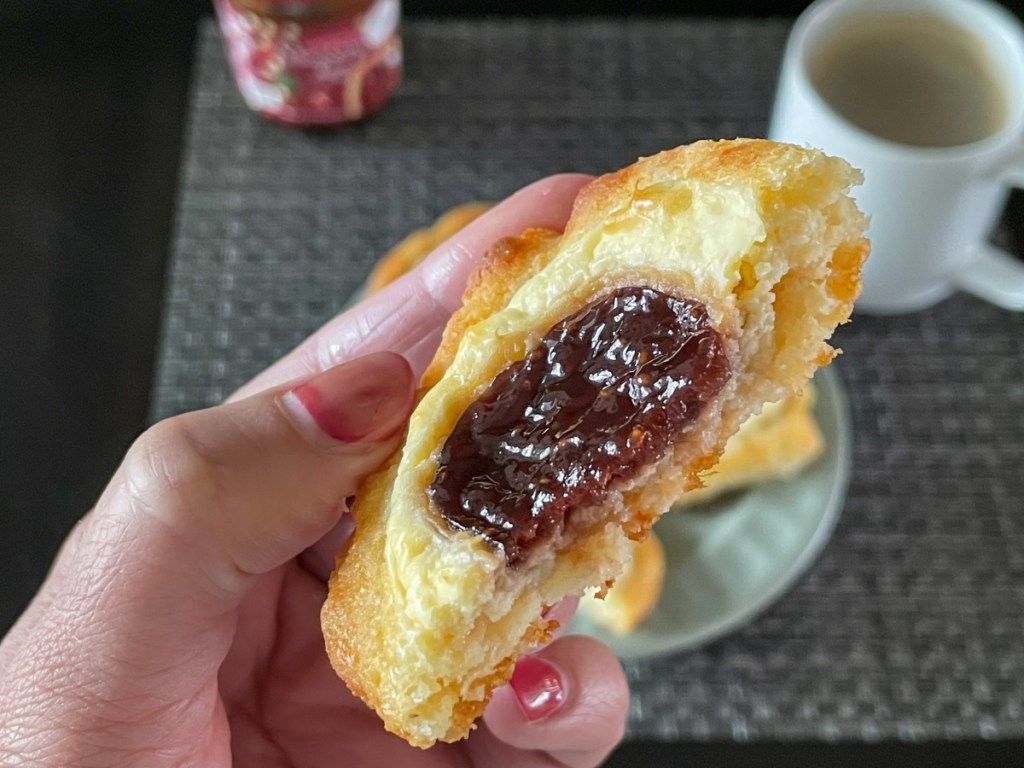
(314, 73)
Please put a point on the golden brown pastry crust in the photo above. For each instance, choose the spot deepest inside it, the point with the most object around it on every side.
(423, 622)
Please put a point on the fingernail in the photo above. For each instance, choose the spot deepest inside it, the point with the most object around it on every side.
(363, 400)
(537, 686)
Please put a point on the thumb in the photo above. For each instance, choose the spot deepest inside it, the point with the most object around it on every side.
(249, 485)
(206, 502)
(252, 483)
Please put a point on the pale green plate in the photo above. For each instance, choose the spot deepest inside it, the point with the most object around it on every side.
(728, 560)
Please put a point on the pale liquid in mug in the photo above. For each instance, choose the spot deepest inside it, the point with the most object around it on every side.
(912, 79)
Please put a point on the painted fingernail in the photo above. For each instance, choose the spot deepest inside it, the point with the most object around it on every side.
(364, 400)
(538, 688)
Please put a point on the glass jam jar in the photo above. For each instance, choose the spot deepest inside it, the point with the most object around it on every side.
(313, 62)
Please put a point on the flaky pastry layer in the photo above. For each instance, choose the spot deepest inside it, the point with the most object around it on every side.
(422, 622)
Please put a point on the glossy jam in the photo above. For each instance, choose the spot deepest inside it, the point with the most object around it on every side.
(605, 393)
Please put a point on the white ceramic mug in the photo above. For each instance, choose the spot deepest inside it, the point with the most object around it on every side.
(932, 208)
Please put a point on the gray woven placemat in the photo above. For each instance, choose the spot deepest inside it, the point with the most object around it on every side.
(911, 623)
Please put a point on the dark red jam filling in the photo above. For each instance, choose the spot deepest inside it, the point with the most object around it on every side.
(605, 393)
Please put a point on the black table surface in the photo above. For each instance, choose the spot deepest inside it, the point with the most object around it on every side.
(91, 132)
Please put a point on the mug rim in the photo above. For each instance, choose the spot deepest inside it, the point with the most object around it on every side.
(999, 22)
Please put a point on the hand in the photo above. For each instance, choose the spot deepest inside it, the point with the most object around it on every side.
(180, 622)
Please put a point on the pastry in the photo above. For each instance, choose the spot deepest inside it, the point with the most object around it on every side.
(588, 377)
(776, 443)
(622, 606)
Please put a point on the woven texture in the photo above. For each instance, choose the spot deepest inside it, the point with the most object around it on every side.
(910, 624)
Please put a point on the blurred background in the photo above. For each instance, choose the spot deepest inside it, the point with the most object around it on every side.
(93, 97)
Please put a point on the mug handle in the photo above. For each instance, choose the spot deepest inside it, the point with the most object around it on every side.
(994, 274)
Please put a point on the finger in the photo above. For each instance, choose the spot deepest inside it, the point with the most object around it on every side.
(276, 467)
(206, 502)
(565, 705)
(408, 315)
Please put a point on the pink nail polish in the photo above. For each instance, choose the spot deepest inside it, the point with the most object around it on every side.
(364, 400)
(537, 686)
